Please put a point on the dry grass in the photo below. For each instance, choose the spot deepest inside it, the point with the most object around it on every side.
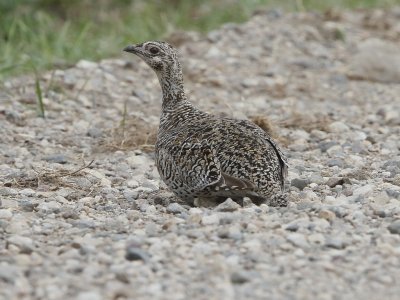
(265, 124)
(295, 120)
(133, 133)
(53, 179)
(307, 122)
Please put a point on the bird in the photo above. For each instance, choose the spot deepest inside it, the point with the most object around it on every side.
(201, 156)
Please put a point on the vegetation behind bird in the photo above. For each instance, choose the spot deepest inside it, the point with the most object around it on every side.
(55, 33)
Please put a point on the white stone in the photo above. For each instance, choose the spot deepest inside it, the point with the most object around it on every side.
(363, 190)
(7, 191)
(213, 52)
(300, 134)
(298, 240)
(334, 150)
(355, 161)
(318, 134)
(89, 295)
(138, 161)
(86, 64)
(21, 241)
(310, 195)
(358, 136)
(195, 210)
(210, 220)
(338, 127)
(27, 192)
(316, 238)
(254, 245)
(5, 214)
(49, 207)
(132, 183)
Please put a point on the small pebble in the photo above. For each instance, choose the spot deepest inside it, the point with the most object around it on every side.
(227, 206)
(56, 158)
(133, 253)
(327, 215)
(300, 183)
(24, 243)
(394, 228)
(335, 243)
(298, 240)
(5, 214)
(175, 208)
(240, 277)
(210, 220)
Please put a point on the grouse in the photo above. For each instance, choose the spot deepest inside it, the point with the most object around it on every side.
(203, 156)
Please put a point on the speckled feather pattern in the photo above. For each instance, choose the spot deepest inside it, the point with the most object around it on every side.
(199, 155)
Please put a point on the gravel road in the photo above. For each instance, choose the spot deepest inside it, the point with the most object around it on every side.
(83, 214)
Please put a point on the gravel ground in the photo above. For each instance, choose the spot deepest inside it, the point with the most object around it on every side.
(83, 214)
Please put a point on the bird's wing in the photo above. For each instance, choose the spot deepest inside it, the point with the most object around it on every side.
(264, 135)
(200, 169)
(197, 164)
(229, 182)
(189, 163)
(235, 188)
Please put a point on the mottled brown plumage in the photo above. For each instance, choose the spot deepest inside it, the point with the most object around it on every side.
(199, 155)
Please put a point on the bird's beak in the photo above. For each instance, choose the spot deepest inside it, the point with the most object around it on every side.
(131, 49)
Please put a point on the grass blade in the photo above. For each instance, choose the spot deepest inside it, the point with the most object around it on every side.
(39, 97)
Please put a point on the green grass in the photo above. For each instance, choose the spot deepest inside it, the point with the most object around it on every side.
(54, 33)
(39, 97)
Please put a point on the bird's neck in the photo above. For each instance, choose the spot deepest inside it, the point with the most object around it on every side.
(173, 91)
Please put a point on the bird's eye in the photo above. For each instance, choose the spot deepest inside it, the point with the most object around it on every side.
(154, 50)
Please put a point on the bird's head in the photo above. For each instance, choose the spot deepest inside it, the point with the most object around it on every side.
(160, 56)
